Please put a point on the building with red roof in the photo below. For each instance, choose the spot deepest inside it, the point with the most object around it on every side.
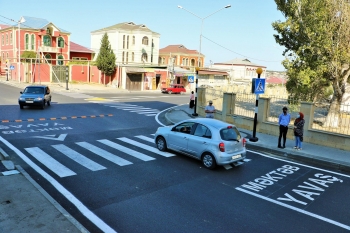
(179, 55)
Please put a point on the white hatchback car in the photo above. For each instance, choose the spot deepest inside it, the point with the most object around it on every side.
(212, 141)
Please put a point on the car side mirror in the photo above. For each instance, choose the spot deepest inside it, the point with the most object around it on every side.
(21, 92)
(173, 129)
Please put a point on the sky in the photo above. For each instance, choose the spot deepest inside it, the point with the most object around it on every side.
(242, 31)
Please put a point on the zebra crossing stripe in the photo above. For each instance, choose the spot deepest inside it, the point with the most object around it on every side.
(104, 154)
(151, 115)
(79, 158)
(49, 162)
(145, 138)
(148, 112)
(143, 109)
(146, 147)
(126, 150)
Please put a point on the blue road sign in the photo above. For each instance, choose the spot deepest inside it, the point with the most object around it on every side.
(191, 79)
(259, 86)
(12, 67)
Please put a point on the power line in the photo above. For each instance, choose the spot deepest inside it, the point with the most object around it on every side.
(236, 52)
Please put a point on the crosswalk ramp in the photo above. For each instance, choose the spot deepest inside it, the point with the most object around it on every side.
(80, 157)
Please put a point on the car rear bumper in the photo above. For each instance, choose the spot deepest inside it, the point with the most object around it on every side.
(225, 158)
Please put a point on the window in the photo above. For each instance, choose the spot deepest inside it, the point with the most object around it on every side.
(185, 127)
(11, 38)
(32, 42)
(144, 57)
(133, 40)
(230, 134)
(47, 40)
(123, 43)
(2, 40)
(7, 39)
(127, 57)
(48, 58)
(60, 60)
(7, 55)
(27, 41)
(60, 43)
(132, 56)
(145, 40)
(202, 131)
(127, 43)
(123, 57)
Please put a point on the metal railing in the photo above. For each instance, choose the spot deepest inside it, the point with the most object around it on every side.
(277, 104)
(336, 120)
(245, 105)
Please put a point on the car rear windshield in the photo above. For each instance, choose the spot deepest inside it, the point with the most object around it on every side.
(230, 134)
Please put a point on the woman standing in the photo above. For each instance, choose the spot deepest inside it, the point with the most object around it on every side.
(299, 130)
(192, 100)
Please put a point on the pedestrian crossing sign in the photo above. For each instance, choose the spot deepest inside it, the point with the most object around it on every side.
(191, 79)
(258, 85)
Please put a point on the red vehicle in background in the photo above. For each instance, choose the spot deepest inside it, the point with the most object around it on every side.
(174, 88)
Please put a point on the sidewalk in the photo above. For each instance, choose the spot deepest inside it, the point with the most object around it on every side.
(311, 153)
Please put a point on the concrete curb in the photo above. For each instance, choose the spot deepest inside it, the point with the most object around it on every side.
(3, 155)
(301, 157)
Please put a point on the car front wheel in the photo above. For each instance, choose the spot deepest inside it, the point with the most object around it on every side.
(161, 144)
(21, 106)
(208, 161)
(43, 105)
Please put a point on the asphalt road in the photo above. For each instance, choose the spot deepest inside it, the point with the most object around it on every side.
(97, 159)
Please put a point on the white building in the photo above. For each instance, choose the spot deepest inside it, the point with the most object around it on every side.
(239, 70)
(131, 43)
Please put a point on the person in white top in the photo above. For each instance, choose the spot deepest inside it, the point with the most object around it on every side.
(210, 110)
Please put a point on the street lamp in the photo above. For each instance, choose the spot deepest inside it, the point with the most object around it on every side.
(200, 37)
(22, 20)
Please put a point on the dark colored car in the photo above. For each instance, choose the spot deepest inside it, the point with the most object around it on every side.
(174, 88)
(35, 96)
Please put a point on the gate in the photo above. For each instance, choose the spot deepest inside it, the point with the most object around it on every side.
(133, 82)
(59, 72)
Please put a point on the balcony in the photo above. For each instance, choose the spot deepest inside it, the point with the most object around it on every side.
(49, 49)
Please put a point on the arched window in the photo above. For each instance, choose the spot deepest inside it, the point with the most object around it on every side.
(7, 55)
(60, 42)
(144, 57)
(2, 40)
(127, 43)
(47, 40)
(145, 40)
(7, 39)
(123, 43)
(11, 38)
(27, 41)
(127, 57)
(123, 57)
(48, 58)
(132, 56)
(32, 42)
(60, 60)
(133, 40)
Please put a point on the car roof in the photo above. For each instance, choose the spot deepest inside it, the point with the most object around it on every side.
(37, 86)
(211, 122)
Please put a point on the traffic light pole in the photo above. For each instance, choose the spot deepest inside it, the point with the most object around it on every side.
(195, 97)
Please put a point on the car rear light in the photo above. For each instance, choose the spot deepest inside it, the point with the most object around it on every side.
(244, 141)
(222, 147)
(229, 127)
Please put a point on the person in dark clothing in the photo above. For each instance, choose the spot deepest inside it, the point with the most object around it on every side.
(283, 121)
(299, 130)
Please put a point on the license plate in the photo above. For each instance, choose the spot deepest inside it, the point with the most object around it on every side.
(29, 102)
(236, 156)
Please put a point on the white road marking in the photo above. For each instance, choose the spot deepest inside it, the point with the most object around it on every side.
(145, 138)
(320, 169)
(49, 162)
(146, 112)
(296, 209)
(146, 147)
(227, 166)
(79, 158)
(151, 115)
(126, 150)
(104, 154)
(70, 197)
(61, 137)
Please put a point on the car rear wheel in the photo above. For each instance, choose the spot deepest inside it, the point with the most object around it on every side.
(161, 144)
(208, 161)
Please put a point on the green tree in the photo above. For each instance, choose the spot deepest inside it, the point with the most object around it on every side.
(316, 37)
(106, 60)
(27, 56)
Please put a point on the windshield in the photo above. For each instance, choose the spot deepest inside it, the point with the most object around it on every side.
(230, 134)
(34, 90)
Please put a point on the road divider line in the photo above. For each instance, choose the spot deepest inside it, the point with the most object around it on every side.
(57, 118)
